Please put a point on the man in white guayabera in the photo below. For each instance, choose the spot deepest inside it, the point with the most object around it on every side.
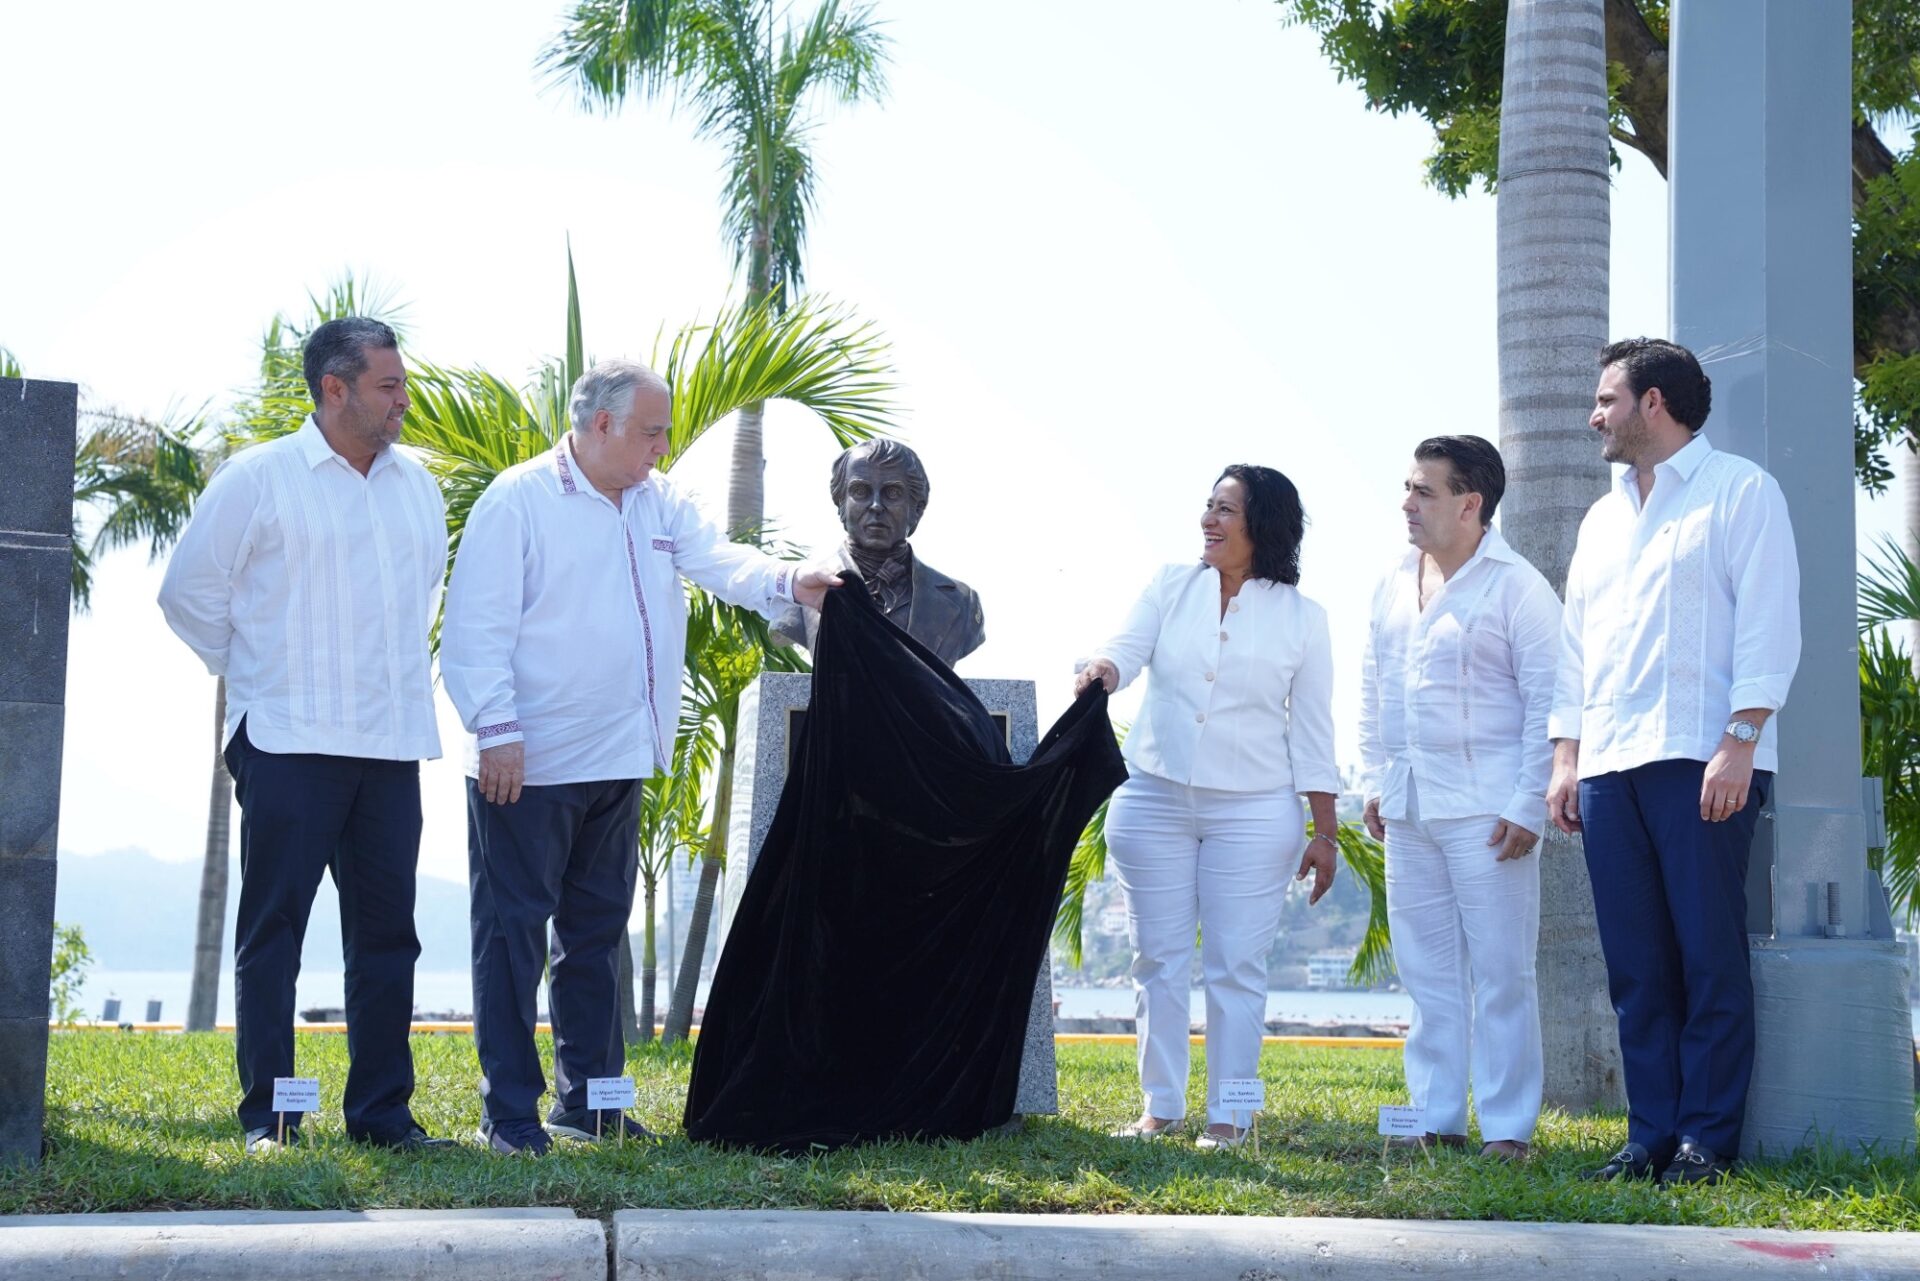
(1456, 686)
(1681, 636)
(563, 645)
(309, 578)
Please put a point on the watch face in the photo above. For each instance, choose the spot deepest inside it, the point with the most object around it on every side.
(1744, 731)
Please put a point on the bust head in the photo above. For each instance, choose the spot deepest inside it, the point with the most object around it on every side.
(881, 490)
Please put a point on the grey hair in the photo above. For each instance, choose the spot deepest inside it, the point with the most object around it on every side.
(884, 449)
(611, 385)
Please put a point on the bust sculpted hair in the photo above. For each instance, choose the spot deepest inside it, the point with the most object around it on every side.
(1655, 362)
(1275, 521)
(610, 385)
(884, 450)
(340, 347)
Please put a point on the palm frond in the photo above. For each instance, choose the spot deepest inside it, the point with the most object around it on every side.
(1368, 861)
(1890, 751)
(1088, 865)
(141, 477)
(610, 50)
(816, 354)
(9, 365)
(1889, 587)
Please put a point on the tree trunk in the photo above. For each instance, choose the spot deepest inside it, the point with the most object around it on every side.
(1553, 266)
(747, 482)
(623, 990)
(680, 1012)
(203, 1000)
(649, 962)
(671, 934)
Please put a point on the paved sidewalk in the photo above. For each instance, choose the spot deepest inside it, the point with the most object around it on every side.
(750, 1245)
(798, 1245)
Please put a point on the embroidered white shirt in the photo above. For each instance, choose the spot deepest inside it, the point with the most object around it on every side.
(1679, 613)
(566, 622)
(1238, 703)
(312, 588)
(1455, 697)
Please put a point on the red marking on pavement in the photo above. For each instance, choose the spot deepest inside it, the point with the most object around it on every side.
(1780, 1250)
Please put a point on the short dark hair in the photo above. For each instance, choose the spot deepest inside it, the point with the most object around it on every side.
(1476, 465)
(1655, 362)
(340, 347)
(885, 450)
(1275, 521)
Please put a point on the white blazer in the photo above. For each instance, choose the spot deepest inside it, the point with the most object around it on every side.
(1240, 703)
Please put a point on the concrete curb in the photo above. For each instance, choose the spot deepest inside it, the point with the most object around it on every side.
(474, 1245)
(750, 1245)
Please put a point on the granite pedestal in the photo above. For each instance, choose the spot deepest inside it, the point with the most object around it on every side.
(36, 562)
(771, 711)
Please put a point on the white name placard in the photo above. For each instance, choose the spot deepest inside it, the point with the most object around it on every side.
(296, 1094)
(614, 1092)
(1395, 1121)
(1243, 1094)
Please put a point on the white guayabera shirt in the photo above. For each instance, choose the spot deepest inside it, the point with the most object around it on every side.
(1240, 703)
(1455, 697)
(1679, 613)
(312, 588)
(566, 623)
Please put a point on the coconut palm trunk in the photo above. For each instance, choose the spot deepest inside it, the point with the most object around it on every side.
(1910, 537)
(1553, 224)
(203, 999)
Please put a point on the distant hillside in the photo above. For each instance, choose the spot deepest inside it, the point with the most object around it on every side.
(138, 914)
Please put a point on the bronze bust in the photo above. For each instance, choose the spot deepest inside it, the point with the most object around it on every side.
(881, 490)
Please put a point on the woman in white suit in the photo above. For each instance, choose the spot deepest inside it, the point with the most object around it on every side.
(1236, 727)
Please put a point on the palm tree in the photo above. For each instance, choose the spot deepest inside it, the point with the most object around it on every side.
(751, 89)
(1890, 718)
(1553, 278)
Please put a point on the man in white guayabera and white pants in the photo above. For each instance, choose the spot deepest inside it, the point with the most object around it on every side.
(1458, 681)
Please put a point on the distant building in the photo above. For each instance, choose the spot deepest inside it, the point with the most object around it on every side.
(1329, 968)
(1112, 921)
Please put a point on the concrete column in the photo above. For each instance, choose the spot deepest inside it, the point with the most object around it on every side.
(1762, 290)
(36, 528)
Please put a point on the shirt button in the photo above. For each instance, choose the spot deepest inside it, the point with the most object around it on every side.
(1199, 716)
(1223, 635)
(1233, 607)
(1209, 675)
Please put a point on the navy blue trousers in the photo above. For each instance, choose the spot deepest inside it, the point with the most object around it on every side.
(303, 815)
(1669, 890)
(566, 853)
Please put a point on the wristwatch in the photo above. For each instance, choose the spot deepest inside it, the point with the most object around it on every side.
(1743, 731)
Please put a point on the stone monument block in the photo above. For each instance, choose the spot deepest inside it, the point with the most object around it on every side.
(770, 713)
(37, 421)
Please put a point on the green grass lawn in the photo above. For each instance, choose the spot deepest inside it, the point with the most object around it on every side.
(146, 1122)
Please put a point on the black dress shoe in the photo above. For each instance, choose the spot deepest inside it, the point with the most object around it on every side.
(414, 1140)
(1695, 1164)
(1631, 1162)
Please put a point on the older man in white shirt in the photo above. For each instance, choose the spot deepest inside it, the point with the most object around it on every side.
(1681, 636)
(562, 649)
(309, 577)
(1457, 681)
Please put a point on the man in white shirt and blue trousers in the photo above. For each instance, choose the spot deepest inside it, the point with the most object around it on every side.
(1457, 682)
(309, 578)
(1680, 638)
(563, 647)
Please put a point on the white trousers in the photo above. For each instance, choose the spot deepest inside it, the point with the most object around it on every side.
(1465, 929)
(1190, 857)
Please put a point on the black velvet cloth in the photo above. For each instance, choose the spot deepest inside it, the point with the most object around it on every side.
(879, 970)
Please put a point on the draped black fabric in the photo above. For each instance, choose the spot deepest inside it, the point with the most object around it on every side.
(878, 972)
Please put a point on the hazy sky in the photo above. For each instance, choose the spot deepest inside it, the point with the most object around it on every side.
(1113, 252)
